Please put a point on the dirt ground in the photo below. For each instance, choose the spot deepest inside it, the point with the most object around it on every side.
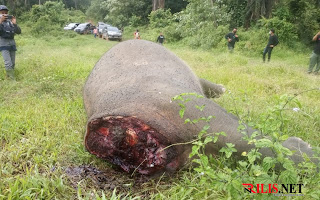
(110, 179)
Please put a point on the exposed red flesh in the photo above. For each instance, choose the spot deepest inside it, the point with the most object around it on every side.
(129, 143)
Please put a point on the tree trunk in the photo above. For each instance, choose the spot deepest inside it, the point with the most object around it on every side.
(256, 9)
(76, 4)
(157, 4)
(11, 6)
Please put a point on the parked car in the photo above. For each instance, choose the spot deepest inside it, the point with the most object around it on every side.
(84, 28)
(71, 26)
(111, 32)
(101, 26)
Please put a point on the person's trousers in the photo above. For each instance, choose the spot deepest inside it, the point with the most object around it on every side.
(9, 58)
(314, 60)
(230, 48)
(267, 50)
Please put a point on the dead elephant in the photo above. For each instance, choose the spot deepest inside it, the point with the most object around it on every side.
(131, 117)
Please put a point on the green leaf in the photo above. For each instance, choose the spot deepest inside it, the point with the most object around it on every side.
(275, 135)
(181, 112)
(265, 179)
(288, 176)
(230, 145)
(215, 139)
(177, 97)
(268, 163)
(263, 143)
(253, 155)
(288, 164)
(207, 140)
(243, 163)
(195, 150)
(200, 107)
(206, 127)
(286, 151)
(221, 133)
(257, 170)
(284, 138)
(228, 150)
(204, 160)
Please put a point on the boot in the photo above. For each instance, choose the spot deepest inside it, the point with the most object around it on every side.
(10, 74)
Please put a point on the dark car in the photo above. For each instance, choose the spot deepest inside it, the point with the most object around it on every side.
(71, 26)
(84, 28)
(111, 32)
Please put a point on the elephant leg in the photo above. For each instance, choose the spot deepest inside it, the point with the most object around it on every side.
(212, 90)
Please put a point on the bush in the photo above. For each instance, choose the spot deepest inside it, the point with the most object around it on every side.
(160, 18)
(50, 17)
(286, 31)
(173, 32)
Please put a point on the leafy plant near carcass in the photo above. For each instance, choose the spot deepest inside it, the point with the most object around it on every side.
(227, 175)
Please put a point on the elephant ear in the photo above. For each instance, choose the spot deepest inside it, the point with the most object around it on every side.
(211, 90)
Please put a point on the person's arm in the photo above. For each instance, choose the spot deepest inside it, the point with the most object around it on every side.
(2, 19)
(17, 29)
(228, 37)
(316, 36)
(237, 38)
(275, 41)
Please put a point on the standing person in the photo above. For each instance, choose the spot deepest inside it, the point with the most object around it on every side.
(273, 41)
(8, 28)
(136, 34)
(95, 32)
(315, 56)
(232, 39)
(161, 39)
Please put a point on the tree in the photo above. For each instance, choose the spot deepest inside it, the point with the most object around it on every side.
(176, 5)
(120, 12)
(256, 9)
(156, 4)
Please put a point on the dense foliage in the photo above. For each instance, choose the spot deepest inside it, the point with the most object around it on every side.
(198, 23)
(50, 17)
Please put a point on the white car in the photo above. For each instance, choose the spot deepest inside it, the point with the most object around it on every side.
(71, 26)
(111, 32)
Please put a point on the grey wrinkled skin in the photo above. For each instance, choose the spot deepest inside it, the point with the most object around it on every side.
(139, 78)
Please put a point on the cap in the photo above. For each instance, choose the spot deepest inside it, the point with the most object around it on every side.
(3, 7)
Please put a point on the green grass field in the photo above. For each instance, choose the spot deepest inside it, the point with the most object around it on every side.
(42, 118)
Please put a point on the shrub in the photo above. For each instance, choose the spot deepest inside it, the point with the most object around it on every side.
(160, 18)
(50, 17)
(135, 21)
(286, 31)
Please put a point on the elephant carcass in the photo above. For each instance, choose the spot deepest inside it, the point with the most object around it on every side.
(131, 116)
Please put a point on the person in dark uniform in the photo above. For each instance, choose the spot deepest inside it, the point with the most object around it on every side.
(161, 39)
(232, 39)
(273, 41)
(8, 28)
(315, 56)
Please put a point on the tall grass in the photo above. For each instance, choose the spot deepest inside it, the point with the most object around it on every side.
(42, 118)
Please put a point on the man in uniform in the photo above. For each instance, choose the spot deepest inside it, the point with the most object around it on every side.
(8, 28)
